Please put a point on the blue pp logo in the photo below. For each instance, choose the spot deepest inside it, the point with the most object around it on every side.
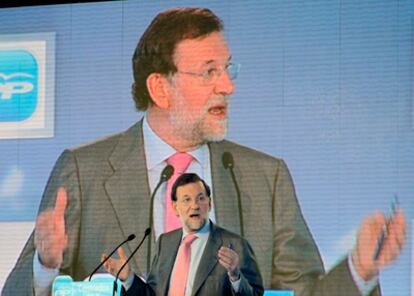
(18, 85)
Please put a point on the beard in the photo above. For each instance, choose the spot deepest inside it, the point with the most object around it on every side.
(196, 126)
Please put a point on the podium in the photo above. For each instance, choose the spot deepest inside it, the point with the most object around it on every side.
(100, 285)
(103, 285)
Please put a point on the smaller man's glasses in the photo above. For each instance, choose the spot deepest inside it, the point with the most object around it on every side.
(211, 75)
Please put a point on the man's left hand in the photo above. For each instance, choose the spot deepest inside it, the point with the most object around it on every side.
(367, 243)
(229, 259)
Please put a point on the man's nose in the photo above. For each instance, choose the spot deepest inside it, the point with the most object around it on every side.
(224, 85)
(195, 204)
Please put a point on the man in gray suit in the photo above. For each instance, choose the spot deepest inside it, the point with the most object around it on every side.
(100, 193)
(222, 263)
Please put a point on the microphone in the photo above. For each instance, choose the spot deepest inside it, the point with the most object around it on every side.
(147, 232)
(228, 163)
(130, 238)
(166, 174)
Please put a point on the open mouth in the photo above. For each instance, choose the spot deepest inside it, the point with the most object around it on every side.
(220, 110)
(195, 216)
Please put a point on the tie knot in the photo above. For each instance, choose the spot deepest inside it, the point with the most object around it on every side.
(180, 161)
(188, 240)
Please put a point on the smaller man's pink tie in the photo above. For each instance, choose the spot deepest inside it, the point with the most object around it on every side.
(182, 266)
(180, 161)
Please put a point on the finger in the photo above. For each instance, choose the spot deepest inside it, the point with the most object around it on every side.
(107, 265)
(395, 238)
(397, 234)
(224, 251)
(230, 260)
(59, 210)
(388, 254)
(43, 227)
(43, 221)
(393, 245)
(398, 226)
(224, 264)
(225, 260)
(230, 267)
(121, 254)
(398, 221)
(377, 222)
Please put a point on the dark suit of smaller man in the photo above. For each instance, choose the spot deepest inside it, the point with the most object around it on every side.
(223, 262)
(211, 278)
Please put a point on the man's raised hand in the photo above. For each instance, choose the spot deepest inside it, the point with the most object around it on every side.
(50, 238)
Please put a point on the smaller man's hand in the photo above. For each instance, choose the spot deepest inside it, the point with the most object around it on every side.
(229, 259)
(363, 256)
(50, 237)
(114, 265)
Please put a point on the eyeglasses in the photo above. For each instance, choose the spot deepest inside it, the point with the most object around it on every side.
(211, 75)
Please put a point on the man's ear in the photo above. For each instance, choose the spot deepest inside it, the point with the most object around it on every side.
(174, 207)
(158, 88)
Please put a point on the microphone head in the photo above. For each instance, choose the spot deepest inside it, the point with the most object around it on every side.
(227, 159)
(131, 237)
(147, 231)
(167, 172)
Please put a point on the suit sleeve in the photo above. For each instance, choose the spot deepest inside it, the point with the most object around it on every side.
(65, 173)
(251, 281)
(139, 287)
(297, 264)
(296, 260)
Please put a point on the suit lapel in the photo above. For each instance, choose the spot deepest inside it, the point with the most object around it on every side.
(224, 192)
(128, 188)
(208, 260)
(167, 259)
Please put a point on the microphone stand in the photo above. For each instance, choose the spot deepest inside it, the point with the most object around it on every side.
(228, 163)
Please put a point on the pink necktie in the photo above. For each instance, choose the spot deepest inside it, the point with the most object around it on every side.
(182, 265)
(180, 161)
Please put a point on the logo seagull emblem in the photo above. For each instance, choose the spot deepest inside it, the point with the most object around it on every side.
(8, 89)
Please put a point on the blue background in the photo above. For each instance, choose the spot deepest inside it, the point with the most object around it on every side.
(326, 85)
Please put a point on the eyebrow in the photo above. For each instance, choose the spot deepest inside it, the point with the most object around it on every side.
(198, 195)
(213, 61)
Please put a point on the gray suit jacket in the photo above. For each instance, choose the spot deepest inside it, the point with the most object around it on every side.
(108, 190)
(211, 278)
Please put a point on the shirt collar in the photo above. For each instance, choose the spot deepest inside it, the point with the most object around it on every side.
(158, 151)
(202, 233)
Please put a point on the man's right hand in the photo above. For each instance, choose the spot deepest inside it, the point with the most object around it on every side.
(114, 265)
(50, 238)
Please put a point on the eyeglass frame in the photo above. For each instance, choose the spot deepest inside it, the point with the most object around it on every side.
(209, 79)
